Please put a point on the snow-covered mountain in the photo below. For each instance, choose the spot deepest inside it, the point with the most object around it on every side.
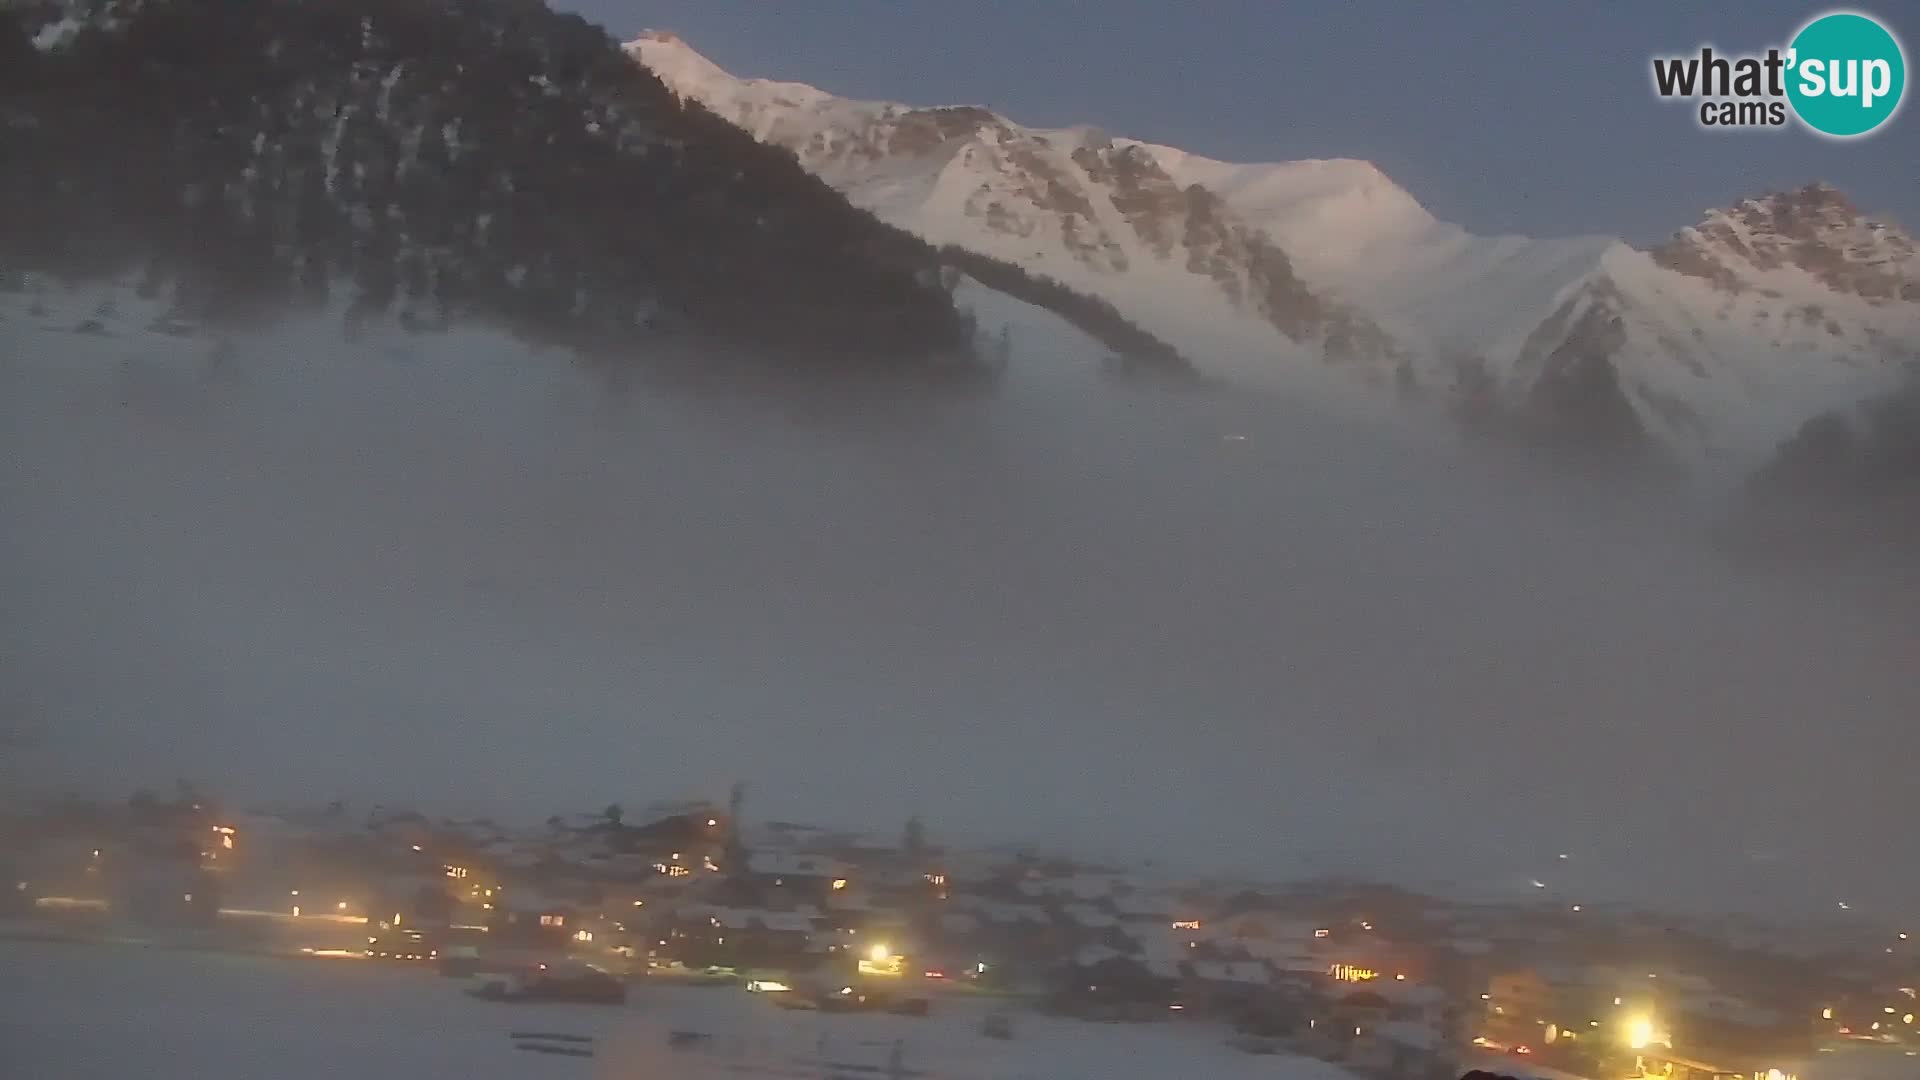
(435, 164)
(1098, 214)
(1327, 278)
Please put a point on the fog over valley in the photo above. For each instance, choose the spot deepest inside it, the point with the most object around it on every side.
(450, 572)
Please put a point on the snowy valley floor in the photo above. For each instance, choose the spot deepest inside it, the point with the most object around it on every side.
(102, 1012)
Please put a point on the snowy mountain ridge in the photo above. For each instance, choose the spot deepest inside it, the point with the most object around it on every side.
(1328, 279)
(968, 177)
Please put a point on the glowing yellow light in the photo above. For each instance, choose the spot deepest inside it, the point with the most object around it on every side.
(1639, 1033)
(880, 953)
(839, 883)
(1187, 924)
(1826, 1013)
(296, 909)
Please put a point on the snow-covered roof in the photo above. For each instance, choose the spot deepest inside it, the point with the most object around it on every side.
(792, 922)
(1161, 964)
(624, 863)
(1414, 1036)
(1416, 995)
(1078, 886)
(1143, 905)
(784, 835)
(1089, 955)
(672, 808)
(850, 900)
(1248, 972)
(1089, 916)
(893, 876)
(972, 866)
(796, 864)
(527, 898)
(886, 916)
(1286, 955)
(1160, 953)
(1273, 926)
(1726, 1008)
(995, 911)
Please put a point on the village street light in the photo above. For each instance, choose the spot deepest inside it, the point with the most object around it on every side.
(880, 953)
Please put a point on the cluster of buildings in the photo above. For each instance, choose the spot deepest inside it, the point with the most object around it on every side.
(1386, 982)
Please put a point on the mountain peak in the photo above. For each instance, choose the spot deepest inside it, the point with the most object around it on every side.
(685, 70)
(1803, 211)
(1816, 229)
(1328, 270)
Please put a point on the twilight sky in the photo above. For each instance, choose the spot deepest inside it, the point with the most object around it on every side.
(1502, 116)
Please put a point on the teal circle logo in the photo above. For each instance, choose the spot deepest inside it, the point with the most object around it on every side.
(1847, 74)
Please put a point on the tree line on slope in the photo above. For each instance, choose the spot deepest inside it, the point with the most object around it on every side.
(434, 159)
(1843, 486)
(1091, 315)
